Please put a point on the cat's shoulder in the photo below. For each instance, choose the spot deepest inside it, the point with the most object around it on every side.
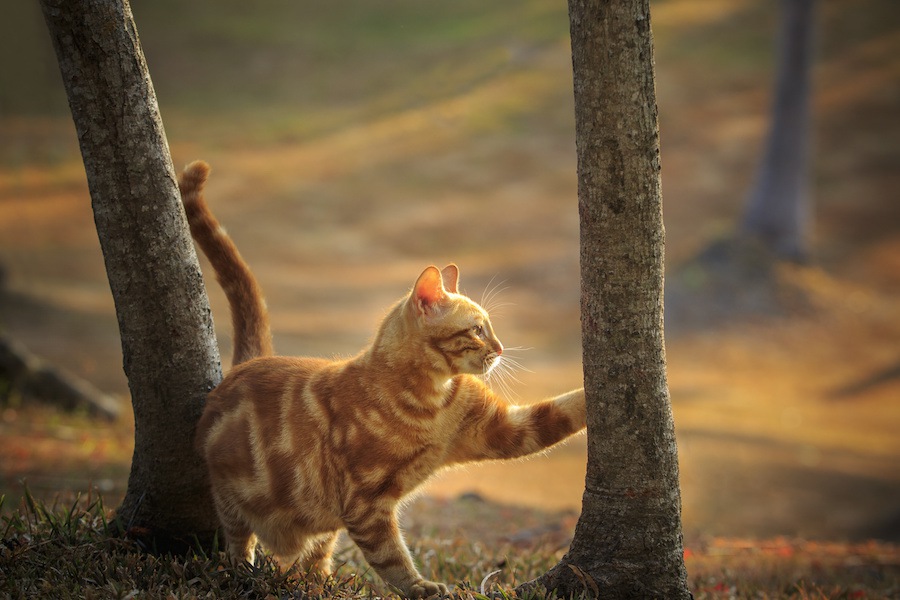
(472, 391)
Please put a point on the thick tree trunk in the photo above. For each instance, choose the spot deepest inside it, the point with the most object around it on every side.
(170, 353)
(778, 209)
(628, 541)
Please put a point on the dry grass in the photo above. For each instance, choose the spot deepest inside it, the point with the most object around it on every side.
(67, 552)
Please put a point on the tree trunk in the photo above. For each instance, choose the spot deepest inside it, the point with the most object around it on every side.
(168, 343)
(628, 540)
(778, 209)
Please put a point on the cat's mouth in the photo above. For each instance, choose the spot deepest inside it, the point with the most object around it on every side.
(491, 361)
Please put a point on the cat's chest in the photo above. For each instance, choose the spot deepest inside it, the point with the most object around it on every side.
(386, 433)
(393, 451)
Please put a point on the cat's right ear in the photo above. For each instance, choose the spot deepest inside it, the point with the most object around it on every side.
(450, 274)
(428, 292)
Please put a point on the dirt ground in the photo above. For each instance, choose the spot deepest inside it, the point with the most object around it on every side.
(787, 421)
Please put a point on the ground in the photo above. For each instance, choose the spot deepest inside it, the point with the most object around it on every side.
(341, 170)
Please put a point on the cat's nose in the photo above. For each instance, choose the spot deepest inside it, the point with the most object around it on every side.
(499, 349)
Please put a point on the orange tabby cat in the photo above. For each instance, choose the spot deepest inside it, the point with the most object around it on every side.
(300, 448)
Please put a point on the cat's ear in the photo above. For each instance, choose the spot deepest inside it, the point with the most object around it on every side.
(450, 273)
(428, 291)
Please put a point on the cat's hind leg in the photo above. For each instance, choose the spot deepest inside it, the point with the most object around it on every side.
(318, 559)
(311, 554)
(240, 542)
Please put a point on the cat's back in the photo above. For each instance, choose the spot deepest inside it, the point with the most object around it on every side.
(269, 375)
(260, 389)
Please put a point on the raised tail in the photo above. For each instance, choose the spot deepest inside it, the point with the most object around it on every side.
(249, 316)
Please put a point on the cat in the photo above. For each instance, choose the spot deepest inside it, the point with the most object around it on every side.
(298, 449)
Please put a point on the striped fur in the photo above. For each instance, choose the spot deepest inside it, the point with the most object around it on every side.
(249, 316)
(300, 448)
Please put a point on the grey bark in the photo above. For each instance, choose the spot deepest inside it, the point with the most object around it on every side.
(628, 541)
(170, 354)
(778, 210)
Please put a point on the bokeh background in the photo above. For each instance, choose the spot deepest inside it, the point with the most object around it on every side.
(355, 143)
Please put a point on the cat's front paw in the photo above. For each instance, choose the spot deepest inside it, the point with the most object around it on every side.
(426, 589)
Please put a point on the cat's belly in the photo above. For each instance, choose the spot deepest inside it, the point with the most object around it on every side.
(296, 515)
(391, 478)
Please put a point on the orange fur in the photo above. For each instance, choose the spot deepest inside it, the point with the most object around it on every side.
(249, 316)
(299, 448)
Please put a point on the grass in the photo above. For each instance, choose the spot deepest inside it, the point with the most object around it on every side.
(292, 70)
(67, 551)
(55, 452)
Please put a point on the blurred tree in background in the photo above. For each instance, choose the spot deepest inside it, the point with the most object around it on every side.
(778, 211)
(741, 274)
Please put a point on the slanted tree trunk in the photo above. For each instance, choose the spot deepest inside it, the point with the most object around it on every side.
(628, 541)
(168, 343)
(778, 211)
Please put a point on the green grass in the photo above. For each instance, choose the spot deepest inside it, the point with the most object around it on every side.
(243, 72)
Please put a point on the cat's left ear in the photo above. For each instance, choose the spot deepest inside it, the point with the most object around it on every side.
(428, 292)
(450, 273)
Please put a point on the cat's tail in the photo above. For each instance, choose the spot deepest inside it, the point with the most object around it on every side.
(249, 315)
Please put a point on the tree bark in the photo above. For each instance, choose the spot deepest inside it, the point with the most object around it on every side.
(778, 211)
(170, 354)
(628, 541)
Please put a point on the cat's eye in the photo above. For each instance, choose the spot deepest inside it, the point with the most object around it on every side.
(478, 330)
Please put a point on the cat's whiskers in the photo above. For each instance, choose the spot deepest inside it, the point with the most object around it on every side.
(490, 294)
(504, 379)
(513, 364)
(494, 308)
(487, 289)
(501, 373)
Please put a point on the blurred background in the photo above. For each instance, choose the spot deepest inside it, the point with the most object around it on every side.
(353, 144)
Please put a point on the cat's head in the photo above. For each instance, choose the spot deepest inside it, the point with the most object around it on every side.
(456, 331)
